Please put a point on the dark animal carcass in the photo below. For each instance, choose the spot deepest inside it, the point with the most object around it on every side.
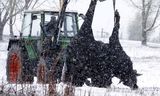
(78, 56)
(88, 58)
(121, 64)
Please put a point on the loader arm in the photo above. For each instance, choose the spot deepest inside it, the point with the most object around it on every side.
(60, 20)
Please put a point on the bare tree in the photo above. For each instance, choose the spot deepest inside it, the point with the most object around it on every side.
(18, 6)
(9, 9)
(147, 8)
(134, 28)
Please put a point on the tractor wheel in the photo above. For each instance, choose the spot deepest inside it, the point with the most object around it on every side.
(14, 64)
(41, 71)
(17, 66)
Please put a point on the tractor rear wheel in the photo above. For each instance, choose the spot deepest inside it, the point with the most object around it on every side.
(17, 70)
(14, 64)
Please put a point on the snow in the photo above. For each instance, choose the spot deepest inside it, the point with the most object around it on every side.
(146, 60)
(3, 56)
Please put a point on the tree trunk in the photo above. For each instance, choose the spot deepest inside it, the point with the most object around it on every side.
(144, 33)
(11, 27)
(1, 31)
(144, 38)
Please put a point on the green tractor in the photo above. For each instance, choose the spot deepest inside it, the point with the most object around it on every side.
(41, 43)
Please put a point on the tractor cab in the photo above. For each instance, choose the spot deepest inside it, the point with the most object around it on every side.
(33, 19)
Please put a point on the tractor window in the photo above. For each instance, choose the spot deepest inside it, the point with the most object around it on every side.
(69, 21)
(48, 17)
(26, 24)
(70, 26)
(36, 26)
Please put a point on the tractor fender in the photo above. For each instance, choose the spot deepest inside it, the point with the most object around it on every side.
(13, 41)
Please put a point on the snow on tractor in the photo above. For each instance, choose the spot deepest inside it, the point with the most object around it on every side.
(42, 42)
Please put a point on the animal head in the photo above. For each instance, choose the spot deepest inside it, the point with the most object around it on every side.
(130, 80)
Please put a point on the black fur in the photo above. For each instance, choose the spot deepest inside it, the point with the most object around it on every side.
(122, 66)
(78, 56)
(88, 58)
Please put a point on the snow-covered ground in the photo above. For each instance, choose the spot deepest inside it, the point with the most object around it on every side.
(146, 60)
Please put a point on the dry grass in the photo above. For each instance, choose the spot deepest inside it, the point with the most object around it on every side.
(69, 90)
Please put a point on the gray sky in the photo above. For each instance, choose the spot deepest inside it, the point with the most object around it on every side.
(103, 18)
(104, 14)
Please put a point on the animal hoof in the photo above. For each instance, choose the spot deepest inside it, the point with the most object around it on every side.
(135, 87)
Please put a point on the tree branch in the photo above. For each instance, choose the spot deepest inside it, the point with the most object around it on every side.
(41, 4)
(4, 5)
(5, 15)
(148, 3)
(15, 14)
(27, 3)
(34, 4)
(155, 27)
(148, 10)
(139, 7)
(154, 21)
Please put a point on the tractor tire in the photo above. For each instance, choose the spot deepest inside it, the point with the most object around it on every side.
(14, 64)
(42, 72)
(16, 67)
(45, 73)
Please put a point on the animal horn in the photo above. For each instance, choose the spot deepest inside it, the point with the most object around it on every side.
(138, 74)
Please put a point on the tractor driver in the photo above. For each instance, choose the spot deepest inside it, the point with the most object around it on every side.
(50, 27)
(49, 31)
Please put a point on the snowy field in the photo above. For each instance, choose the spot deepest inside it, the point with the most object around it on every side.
(146, 60)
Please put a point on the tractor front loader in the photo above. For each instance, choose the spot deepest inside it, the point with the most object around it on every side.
(42, 41)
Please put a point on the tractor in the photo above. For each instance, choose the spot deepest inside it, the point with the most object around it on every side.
(42, 42)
